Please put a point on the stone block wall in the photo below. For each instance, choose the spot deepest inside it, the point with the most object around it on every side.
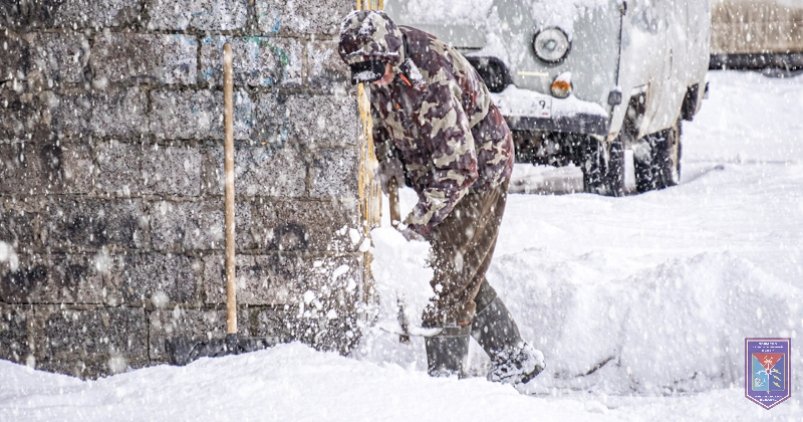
(111, 188)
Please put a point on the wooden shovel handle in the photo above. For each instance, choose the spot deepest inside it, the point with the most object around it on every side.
(228, 119)
(393, 199)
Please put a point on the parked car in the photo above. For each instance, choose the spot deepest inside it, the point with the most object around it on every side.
(580, 81)
(757, 34)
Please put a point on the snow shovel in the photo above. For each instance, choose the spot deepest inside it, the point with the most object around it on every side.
(184, 351)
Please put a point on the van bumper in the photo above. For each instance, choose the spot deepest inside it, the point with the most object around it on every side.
(524, 110)
(588, 124)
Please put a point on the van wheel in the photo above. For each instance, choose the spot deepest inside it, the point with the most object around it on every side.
(657, 160)
(603, 167)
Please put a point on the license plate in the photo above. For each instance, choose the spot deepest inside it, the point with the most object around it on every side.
(527, 107)
(543, 107)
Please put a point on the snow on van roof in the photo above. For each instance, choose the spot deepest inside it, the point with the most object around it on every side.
(477, 11)
(454, 11)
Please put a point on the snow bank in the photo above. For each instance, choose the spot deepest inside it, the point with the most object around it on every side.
(675, 327)
(287, 383)
(295, 383)
(21, 381)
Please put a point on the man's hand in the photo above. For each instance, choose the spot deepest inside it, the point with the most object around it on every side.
(388, 169)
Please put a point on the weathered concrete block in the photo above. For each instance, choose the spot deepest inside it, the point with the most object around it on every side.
(130, 57)
(19, 280)
(15, 57)
(274, 322)
(17, 223)
(198, 115)
(327, 71)
(90, 341)
(92, 223)
(56, 278)
(192, 325)
(20, 111)
(172, 170)
(260, 280)
(79, 169)
(155, 280)
(118, 112)
(317, 290)
(274, 124)
(206, 15)
(284, 118)
(325, 313)
(294, 17)
(16, 322)
(31, 168)
(57, 59)
(334, 121)
(339, 333)
(332, 283)
(119, 169)
(258, 61)
(302, 226)
(187, 226)
(334, 173)
(47, 164)
(70, 13)
(266, 171)
(76, 278)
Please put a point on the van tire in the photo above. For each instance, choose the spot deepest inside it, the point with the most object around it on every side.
(603, 167)
(658, 166)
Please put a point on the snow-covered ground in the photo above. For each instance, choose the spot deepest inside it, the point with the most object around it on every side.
(640, 304)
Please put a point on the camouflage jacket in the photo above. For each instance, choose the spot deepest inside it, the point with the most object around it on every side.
(438, 119)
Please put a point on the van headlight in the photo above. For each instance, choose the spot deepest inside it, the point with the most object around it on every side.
(551, 45)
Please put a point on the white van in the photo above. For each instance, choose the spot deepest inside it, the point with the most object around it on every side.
(580, 81)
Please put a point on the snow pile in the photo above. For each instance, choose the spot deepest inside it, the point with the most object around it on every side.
(295, 383)
(287, 383)
(676, 327)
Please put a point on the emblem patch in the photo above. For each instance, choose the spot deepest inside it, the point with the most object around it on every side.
(767, 370)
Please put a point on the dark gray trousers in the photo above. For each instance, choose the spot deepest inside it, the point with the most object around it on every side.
(462, 249)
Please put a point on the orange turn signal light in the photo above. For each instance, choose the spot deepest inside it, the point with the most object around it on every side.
(561, 88)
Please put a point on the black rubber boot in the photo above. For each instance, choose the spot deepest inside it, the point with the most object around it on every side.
(493, 326)
(513, 361)
(447, 352)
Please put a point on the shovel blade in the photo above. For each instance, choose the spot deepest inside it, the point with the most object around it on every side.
(182, 351)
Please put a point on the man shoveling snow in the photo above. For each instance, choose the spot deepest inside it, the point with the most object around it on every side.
(435, 127)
